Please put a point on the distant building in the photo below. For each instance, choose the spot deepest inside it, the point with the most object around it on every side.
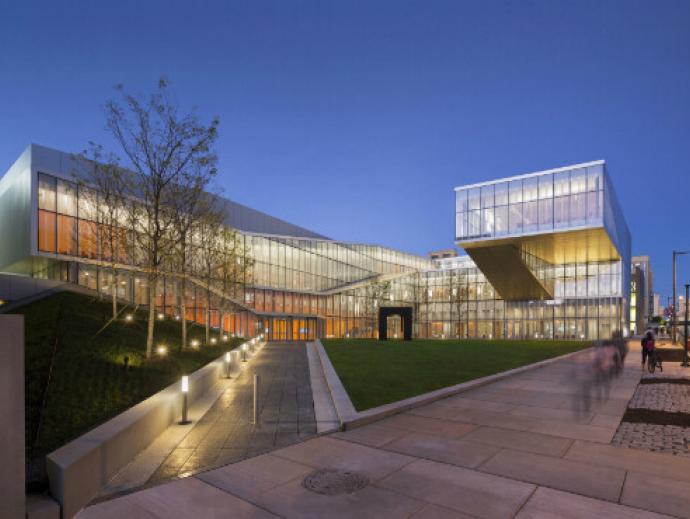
(656, 305)
(443, 254)
(641, 293)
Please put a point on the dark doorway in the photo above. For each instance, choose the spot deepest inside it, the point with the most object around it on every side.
(405, 313)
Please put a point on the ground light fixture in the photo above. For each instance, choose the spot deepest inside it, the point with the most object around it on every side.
(161, 316)
(184, 388)
(195, 344)
(227, 364)
(244, 352)
(162, 349)
(129, 318)
(225, 338)
(213, 340)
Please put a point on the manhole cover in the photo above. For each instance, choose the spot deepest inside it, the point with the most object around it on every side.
(332, 482)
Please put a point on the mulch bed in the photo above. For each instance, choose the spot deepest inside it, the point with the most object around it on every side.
(656, 417)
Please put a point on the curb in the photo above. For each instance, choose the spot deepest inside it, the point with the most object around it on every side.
(351, 419)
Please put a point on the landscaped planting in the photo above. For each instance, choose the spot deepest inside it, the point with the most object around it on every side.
(379, 372)
(76, 376)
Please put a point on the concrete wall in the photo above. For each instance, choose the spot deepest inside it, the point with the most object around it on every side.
(15, 287)
(12, 469)
(78, 470)
(15, 215)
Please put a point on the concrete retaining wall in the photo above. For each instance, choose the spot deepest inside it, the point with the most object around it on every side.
(78, 470)
(12, 468)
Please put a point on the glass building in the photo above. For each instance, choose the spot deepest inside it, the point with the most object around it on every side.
(548, 257)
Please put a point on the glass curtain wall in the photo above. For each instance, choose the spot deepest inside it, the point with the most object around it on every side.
(335, 289)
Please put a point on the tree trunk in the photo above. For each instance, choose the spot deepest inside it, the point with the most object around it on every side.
(221, 331)
(208, 316)
(183, 313)
(152, 317)
(114, 293)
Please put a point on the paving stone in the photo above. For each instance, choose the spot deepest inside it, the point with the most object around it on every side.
(520, 440)
(460, 489)
(225, 433)
(573, 476)
(447, 450)
(326, 452)
(547, 503)
(658, 494)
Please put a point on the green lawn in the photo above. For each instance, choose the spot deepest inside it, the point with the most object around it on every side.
(88, 383)
(377, 372)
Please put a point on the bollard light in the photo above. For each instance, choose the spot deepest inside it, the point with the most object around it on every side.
(195, 344)
(162, 349)
(225, 338)
(184, 386)
(244, 352)
(213, 340)
(161, 317)
(129, 318)
(177, 317)
(227, 364)
(255, 413)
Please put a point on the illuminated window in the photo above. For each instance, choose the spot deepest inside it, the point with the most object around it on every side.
(67, 235)
(46, 231)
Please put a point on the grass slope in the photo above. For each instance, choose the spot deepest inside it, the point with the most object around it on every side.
(88, 383)
(377, 372)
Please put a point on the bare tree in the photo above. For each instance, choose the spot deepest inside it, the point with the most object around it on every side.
(187, 214)
(376, 295)
(208, 234)
(167, 152)
(102, 187)
(234, 270)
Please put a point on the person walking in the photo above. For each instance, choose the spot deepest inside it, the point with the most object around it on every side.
(647, 346)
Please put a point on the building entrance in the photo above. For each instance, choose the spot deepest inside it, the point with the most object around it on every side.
(292, 328)
(404, 313)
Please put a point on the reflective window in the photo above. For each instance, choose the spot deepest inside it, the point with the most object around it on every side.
(578, 181)
(66, 198)
(515, 218)
(560, 211)
(488, 222)
(461, 201)
(473, 223)
(530, 189)
(530, 218)
(546, 186)
(546, 214)
(473, 199)
(578, 209)
(561, 183)
(515, 191)
(461, 225)
(46, 192)
(488, 196)
(501, 220)
(501, 193)
(594, 178)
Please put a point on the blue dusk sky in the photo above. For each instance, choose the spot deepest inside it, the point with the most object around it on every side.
(358, 118)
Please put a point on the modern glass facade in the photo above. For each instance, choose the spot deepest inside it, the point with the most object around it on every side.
(567, 198)
(300, 288)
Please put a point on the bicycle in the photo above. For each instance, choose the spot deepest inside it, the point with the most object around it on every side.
(654, 361)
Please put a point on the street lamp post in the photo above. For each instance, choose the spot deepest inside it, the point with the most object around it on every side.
(685, 328)
(673, 316)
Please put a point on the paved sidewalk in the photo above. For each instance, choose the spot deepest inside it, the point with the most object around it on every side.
(521, 447)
